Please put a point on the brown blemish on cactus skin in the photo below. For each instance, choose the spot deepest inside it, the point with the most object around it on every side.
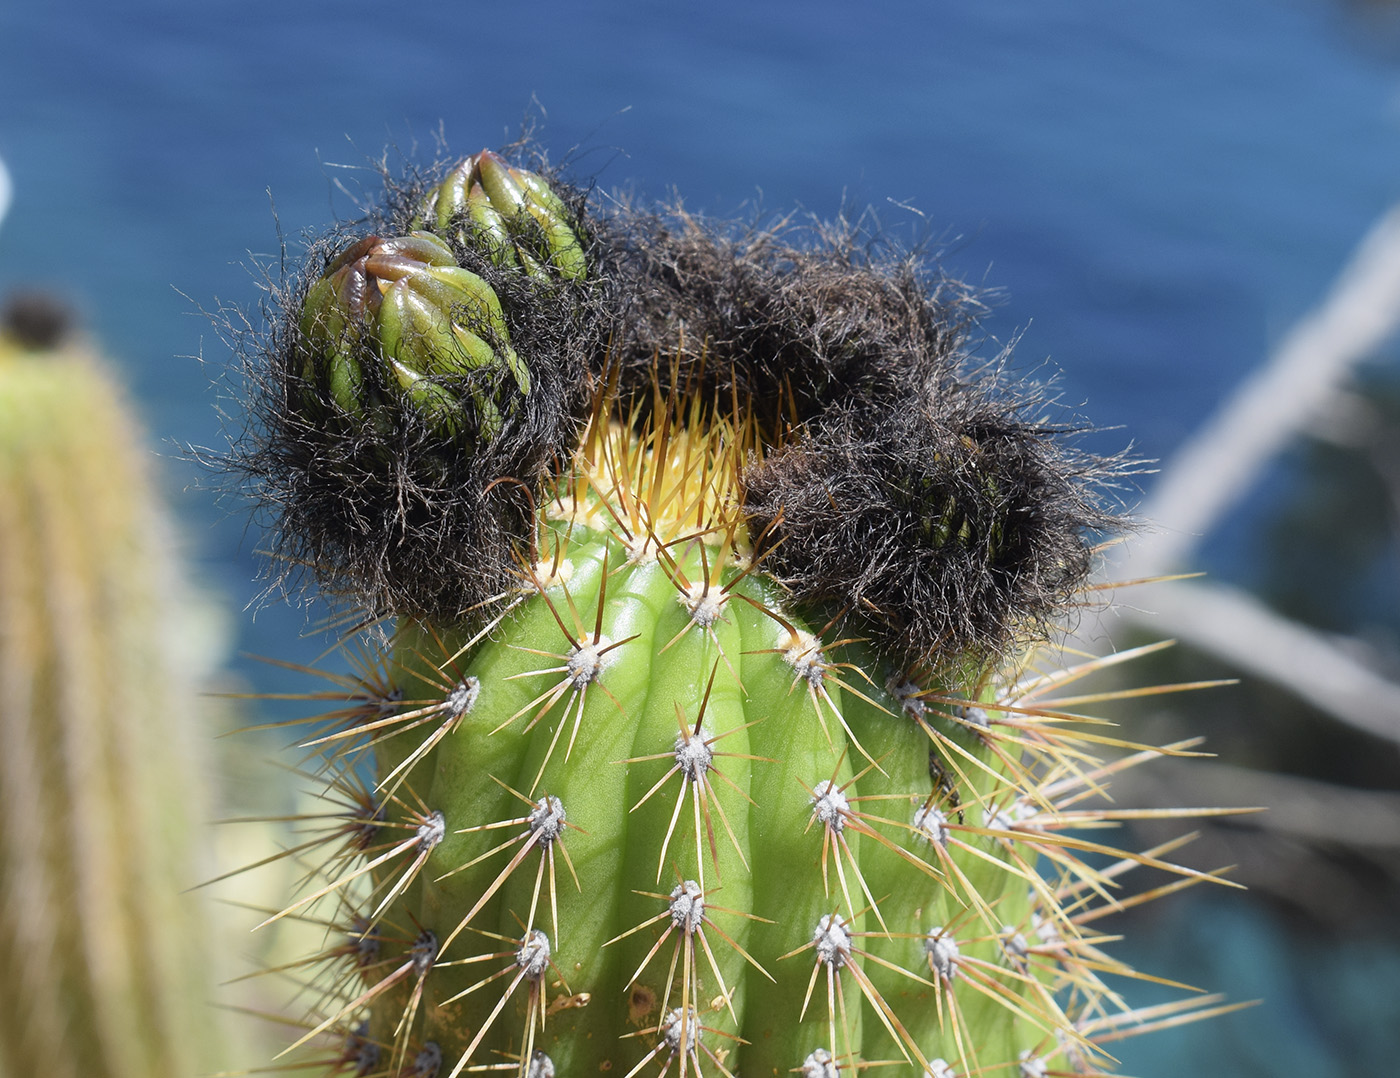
(641, 1004)
(569, 1002)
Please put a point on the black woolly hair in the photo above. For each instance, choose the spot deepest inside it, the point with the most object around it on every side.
(949, 524)
(788, 316)
(924, 498)
(393, 517)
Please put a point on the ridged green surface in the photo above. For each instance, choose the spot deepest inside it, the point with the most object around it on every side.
(606, 748)
(622, 843)
(101, 957)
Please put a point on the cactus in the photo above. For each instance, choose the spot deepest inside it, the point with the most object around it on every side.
(103, 959)
(736, 746)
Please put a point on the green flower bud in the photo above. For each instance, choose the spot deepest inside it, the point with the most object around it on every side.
(511, 213)
(403, 306)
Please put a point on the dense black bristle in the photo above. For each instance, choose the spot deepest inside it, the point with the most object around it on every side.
(930, 501)
(789, 318)
(950, 523)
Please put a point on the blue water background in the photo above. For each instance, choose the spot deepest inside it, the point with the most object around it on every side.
(1158, 189)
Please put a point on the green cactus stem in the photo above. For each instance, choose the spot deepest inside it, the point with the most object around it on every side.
(102, 959)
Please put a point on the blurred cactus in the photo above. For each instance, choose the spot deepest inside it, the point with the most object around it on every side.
(102, 958)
